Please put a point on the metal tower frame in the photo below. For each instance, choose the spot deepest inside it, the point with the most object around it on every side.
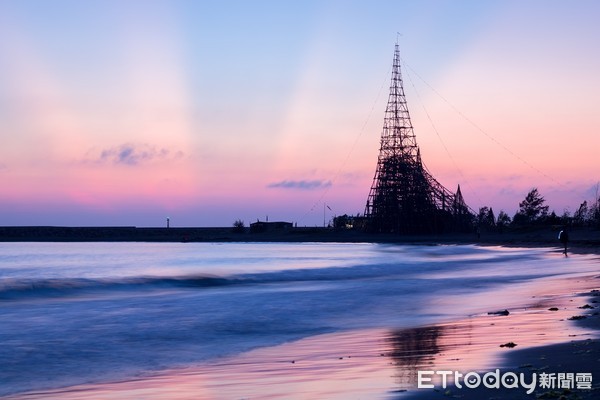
(405, 197)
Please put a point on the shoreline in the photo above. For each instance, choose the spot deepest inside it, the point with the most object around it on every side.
(382, 362)
(583, 240)
(577, 356)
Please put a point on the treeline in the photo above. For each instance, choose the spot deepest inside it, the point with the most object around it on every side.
(533, 211)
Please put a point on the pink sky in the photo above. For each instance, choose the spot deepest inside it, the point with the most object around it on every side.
(122, 115)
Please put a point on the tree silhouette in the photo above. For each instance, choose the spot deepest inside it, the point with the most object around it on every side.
(502, 221)
(238, 226)
(580, 218)
(532, 208)
(595, 213)
(486, 219)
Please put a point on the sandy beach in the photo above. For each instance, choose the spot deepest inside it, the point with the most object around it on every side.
(384, 363)
(576, 350)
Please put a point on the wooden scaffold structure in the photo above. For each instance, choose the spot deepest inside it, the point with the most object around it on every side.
(404, 197)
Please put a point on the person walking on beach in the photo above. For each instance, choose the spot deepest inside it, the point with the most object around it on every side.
(563, 236)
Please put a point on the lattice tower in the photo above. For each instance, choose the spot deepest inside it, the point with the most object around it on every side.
(404, 196)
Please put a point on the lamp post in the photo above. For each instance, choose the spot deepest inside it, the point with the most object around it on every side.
(325, 205)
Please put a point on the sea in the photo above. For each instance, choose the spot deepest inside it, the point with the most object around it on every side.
(75, 313)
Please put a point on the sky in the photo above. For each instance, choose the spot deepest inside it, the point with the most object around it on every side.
(129, 112)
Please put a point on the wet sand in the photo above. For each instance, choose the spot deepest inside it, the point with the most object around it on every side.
(383, 362)
(579, 353)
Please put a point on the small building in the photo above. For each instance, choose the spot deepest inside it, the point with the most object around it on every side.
(279, 226)
(349, 222)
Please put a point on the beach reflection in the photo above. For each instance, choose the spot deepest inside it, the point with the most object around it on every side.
(413, 350)
(474, 343)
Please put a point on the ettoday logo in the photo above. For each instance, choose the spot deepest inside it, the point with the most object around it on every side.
(509, 380)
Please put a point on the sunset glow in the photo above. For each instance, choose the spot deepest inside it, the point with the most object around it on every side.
(118, 113)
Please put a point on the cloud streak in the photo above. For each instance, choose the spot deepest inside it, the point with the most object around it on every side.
(133, 154)
(300, 185)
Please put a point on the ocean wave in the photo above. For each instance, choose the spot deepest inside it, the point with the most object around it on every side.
(28, 288)
(426, 264)
(15, 289)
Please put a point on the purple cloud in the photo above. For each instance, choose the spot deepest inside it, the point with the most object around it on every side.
(134, 154)
(301, 185)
